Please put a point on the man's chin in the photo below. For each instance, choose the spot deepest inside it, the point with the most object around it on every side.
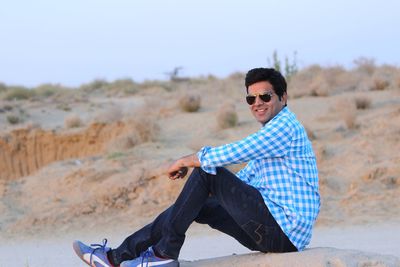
(262, 121)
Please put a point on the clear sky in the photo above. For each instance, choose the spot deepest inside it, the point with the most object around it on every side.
(75, 41)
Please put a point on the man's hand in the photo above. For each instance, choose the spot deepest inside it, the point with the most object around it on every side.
(179, 174)
(179, 168)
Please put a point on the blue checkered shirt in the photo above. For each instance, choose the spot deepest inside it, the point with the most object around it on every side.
(282, 166)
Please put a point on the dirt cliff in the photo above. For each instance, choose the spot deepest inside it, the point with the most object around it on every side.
(24, 151)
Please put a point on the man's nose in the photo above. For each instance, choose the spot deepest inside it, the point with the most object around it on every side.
(258, 101)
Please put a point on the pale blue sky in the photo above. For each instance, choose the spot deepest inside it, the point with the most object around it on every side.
(75, 41)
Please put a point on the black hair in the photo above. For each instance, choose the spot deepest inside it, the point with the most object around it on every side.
(270, 75)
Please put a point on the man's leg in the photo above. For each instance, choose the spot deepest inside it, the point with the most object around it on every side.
(218, 218)
(171, 225)
(241, 201)
(139, 241)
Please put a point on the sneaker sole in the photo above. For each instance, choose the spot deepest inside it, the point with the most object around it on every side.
(78, 252)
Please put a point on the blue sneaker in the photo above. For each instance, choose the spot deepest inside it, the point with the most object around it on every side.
(95, 255)
(148, 258)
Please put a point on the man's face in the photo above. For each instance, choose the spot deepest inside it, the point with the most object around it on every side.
(265, 111)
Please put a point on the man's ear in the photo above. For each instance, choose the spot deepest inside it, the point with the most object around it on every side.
(284, 98)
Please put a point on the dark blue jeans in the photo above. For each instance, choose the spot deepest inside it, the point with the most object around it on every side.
(222, 201)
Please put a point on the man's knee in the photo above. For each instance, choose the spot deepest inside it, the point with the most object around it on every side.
(199, 176)
(198, 173)
(198, 170)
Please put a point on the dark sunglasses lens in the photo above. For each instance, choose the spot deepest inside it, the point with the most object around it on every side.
(250, 99)
(265, 98)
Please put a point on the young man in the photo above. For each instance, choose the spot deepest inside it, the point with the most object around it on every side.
(270, 205)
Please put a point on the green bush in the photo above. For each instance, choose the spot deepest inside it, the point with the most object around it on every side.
(290, 67)
(126, 86)
(18, 93)
(3, 87)
(95, 85)
(13, 119)
(64, 106)
(48, 89)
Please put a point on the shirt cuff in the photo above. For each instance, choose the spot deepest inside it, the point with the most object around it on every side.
(202, 156)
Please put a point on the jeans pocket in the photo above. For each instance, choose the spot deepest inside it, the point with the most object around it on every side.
(268, 238)
(260, 233)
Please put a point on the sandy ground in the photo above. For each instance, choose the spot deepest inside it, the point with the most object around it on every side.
(372, 239)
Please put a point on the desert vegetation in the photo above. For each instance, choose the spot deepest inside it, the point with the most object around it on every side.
(73, 121)
(227, 116)
(190, 102)
(114, 136)
(362, 102)
(312, 80)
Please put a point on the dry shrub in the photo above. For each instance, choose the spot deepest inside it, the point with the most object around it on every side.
(385, 77)
(379, 84)
(239, 76)
(350, 119)
(144, 122)
(72, 121)
(145, 129)
(310, 133)
(319, 87)
(141, 127)
(397, 79)
(374, 174)
(322, 81)
(30, 125)
(315, 81)
(109, 115)
(365, 65)
(383, 175)
(320, 153)
(347, 111)
(124, 142)
(227, 116)
(299, 84)
(190, 102)
(319, 92)
(166, 111)
(362, 102)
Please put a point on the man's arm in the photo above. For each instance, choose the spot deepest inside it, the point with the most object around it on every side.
(179, 168)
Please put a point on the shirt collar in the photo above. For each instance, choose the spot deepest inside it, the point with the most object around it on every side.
(284, 111)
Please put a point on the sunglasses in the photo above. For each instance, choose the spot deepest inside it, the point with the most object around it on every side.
(266, 97)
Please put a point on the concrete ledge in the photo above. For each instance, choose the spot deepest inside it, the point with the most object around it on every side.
(314, 257)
